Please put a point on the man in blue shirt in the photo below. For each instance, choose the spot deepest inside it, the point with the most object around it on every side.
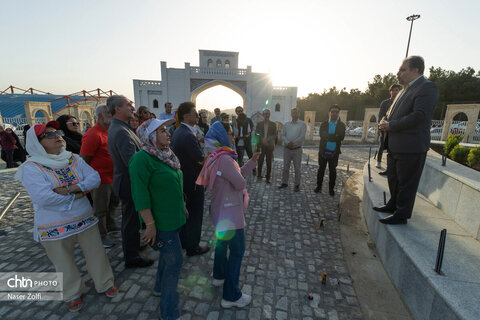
(332, 133)
(168, 114)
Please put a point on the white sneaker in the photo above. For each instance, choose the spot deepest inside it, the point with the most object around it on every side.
(244, 300)
(218, 282)
(379, 165)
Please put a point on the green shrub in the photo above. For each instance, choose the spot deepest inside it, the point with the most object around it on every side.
(473, 158)
(452, 141)
(459, 154)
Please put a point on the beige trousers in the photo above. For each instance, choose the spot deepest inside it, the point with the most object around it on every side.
(61, 253)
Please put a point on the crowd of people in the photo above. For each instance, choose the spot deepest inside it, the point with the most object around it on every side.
(158, 170)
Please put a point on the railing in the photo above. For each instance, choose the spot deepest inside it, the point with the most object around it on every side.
(218, 71)
(145, 83)
(16, 122)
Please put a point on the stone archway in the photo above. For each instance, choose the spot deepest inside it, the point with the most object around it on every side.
(369, 114)
(471, 110)
(32, 107)
(309, 119)
(199, 87)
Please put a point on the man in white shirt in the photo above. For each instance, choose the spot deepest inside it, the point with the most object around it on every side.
(168, 114)
(293, 134)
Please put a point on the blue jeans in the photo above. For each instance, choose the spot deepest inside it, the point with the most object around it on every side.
(229, 268)
(169, 265)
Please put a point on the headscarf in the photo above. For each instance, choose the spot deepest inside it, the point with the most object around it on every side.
(149, 144)
(39, 155)
(218, 144)
(72, 138)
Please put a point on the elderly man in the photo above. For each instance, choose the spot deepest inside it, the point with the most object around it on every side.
(293, 134)
(122, 145)
(384, 106)
(187, 148)
(407, 128)
(94, 151)
(332, 133)
(217, 116)
(267, 134)
(168, 114)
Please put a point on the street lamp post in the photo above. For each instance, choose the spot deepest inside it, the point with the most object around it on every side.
(411, 18)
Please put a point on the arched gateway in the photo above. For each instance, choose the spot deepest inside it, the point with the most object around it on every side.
(216, 68)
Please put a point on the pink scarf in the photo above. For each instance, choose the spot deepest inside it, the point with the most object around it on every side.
(209, 171)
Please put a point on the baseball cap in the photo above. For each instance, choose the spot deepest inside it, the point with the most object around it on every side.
(40, 128)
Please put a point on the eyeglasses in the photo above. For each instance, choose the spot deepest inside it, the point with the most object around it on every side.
(51, 134)
(73, 123)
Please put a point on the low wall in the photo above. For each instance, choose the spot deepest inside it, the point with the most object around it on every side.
(454, 189)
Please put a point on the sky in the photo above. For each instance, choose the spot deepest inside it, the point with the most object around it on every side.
(66, 46)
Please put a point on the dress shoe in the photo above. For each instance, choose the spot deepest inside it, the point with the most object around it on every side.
(296, 189)
(384, 209)
(268, 181)
(284, 185)
(331, 192)
(259, 178)
(138, 263)
(318, 190)
(198, 251)
(393, 220)
(383, 173)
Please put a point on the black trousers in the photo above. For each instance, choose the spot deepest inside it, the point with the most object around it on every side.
(381, 147)
(191, 231)
(7, 156)
(130, 230)
(268, 153)
(332, 171)
(404, 172)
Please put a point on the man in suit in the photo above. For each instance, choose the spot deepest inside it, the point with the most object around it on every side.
(384, 106)
(332, 133)
(407, 128)
(187, 148)
(267, 134)
(122, 145)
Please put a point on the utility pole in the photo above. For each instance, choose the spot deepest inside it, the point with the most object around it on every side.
(411, 18)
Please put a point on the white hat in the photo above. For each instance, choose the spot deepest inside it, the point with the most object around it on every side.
(155, 124)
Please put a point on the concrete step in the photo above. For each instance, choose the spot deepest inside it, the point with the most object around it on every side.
(409, 253)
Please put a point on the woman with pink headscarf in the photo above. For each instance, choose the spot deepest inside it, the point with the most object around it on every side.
(226, 180)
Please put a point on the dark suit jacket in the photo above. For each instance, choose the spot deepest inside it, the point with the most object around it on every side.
(187, 148)
(411, 118)
(271, 134)
(122, 145)
(337, 137)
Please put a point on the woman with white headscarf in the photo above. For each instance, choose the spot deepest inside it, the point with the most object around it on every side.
(57, 182)
(157, 191)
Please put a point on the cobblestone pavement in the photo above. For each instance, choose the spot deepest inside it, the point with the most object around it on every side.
(286, 253)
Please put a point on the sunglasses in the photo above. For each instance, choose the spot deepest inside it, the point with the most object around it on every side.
(51, 135)
(74, 123)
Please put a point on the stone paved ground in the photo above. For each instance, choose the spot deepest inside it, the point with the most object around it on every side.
(286, 253)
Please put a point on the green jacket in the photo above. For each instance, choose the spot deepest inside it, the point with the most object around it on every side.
(157, 186)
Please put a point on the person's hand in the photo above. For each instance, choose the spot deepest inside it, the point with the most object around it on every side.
(61, 190)
(15, 147)
(74, 188)
(150, 234)
(255, 156)
(384, 125)
(290, 145)
(202, 140)
(79, 195)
